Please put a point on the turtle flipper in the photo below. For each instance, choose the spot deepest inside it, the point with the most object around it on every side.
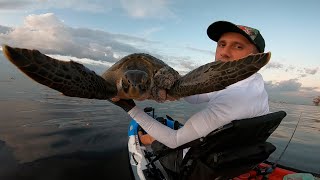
(70, 78)
(218, 75)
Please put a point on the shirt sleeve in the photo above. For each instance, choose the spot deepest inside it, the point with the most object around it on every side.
(197, 99)
(165, 135)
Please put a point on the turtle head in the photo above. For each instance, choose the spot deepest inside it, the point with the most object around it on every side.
(135, 84)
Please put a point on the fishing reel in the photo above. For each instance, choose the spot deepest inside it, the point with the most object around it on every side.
(150, 112)
(168, 121)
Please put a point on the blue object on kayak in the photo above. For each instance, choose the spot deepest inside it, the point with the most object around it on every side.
(173, 124)
(133, 128)
(170, 123)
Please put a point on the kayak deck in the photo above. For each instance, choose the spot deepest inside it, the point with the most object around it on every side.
(277, 173)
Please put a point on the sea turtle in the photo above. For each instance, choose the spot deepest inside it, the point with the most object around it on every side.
(136, 76)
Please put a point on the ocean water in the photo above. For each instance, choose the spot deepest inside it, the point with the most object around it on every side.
(44, 135)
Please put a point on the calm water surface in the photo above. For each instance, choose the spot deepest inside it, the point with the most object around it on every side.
(44, 135)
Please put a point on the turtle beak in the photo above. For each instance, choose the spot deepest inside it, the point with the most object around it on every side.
(135, 81)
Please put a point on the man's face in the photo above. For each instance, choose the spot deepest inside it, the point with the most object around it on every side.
(233, 46)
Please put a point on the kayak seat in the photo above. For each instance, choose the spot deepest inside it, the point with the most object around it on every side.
(231, 150)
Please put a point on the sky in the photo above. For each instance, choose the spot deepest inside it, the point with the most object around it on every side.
(97, 33)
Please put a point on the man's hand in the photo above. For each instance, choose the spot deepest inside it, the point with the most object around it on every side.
(125, 104)
(146, 139)
(170, 98)
(160, 95)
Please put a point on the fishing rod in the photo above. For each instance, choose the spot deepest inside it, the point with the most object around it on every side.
(269, 170)
(277, 161)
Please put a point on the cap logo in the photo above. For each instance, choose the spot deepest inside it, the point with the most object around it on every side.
(250, 31)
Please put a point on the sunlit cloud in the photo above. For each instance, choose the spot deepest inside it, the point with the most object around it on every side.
(48, 34)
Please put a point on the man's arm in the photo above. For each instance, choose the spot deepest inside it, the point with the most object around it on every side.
(197, 99)
(164, 134)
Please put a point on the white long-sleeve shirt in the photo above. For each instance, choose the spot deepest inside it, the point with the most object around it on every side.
(244, 99)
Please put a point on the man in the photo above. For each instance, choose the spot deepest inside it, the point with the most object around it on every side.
(244, 99)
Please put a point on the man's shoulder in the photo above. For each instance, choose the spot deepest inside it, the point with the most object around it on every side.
(255, 78)
(252, 85)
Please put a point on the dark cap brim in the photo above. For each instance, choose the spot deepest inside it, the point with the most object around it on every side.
(216, 29)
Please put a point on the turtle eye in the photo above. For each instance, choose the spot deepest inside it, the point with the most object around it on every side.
(145, 86)
(142, 88)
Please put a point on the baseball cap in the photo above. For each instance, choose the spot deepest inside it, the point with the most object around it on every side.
(216, 29)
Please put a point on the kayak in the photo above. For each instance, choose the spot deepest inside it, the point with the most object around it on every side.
(144, 167)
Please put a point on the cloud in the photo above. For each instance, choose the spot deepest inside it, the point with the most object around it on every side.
(150, 31)
(83, 5)
(286, 85)
(200, 50)
(133, 8)
(96, 49)
(304, 72)
(97, 6)
(189, 65)
(98, 66)
(291, 86)
(14, 4)
(302, 75)
(311, 71)
(289, 68)
(48, 34)
(147, 8)
(291, 91)
(309, 88)
(4, 29)
(274, 65)
(301, 72)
